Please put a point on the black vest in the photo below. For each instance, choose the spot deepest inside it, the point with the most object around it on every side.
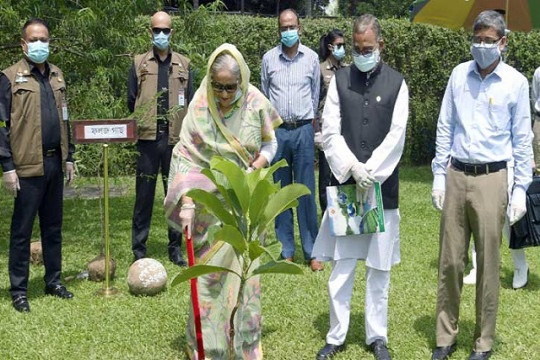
(366, 108)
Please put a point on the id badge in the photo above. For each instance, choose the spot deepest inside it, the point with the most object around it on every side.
(181, 98)
(65, 110)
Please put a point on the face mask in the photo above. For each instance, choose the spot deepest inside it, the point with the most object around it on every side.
(485, 54)
(161, 41)
(339, 52)
(366, 63)
(289, 37)
(38, 51)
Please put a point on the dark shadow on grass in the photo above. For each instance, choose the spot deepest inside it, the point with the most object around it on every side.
(426, 325)
(179, 344)
(356, 333)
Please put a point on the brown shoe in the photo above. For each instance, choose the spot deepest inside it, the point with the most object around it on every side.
(290, 258)
(316, 265)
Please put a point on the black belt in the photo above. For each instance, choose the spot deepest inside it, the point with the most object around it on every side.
(478, 169)
(290, 125)
(49, 153)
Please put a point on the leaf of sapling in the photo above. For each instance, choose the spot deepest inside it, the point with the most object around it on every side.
(232, 236)
(212, 204)
(199, 270)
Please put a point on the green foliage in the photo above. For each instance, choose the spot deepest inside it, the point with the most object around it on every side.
(247, 231)
(94, 43)
(250, 204)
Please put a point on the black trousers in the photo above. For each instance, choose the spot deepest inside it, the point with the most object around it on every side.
(153, 155)
(38, 195)
(325, 175)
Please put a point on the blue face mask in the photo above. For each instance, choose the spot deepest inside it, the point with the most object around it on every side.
(38, 51)
(368, 62)
(485, 54)
(289, 37)
(161, 41)
(339, 52)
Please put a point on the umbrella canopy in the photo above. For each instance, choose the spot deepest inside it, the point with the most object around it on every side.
(520, 15)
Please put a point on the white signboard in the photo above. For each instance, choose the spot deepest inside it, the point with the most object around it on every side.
(106, 131)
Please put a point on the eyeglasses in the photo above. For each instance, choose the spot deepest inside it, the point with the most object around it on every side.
(287, 28)
(230, 88)
(485, 40)
(364, 52)
(157, 30)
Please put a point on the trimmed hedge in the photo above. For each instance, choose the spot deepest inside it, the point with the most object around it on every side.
(96, 57)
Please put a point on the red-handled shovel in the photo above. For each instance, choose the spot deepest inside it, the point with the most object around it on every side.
(195, 297)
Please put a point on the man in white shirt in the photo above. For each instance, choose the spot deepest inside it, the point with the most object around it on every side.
(483, 125)
(364, 122)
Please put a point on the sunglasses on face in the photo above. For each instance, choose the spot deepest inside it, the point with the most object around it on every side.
(157, 30)
(339, 45)
(230, 88)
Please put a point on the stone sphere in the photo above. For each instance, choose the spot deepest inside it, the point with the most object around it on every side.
(96, 268)
(146, 277)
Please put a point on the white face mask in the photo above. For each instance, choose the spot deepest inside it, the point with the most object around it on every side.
(366, 63)
(485, 54)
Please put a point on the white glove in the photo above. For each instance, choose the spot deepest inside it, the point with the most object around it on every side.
(318, 139)
(187, 217)
(70, 173)
(364, 180)
(11, 182)
(518, 207)
(437, 198)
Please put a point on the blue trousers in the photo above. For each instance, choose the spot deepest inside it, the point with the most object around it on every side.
(296, 146)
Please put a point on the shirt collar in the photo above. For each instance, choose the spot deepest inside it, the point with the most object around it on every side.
(301, 50)
(499, 70)
(329, 66)
(156, 56)
(34, 69)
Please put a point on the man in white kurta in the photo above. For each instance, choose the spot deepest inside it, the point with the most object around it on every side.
(380, 251)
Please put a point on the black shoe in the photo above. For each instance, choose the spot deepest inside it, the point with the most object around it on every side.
(443, 352)
(480, 355)
(380, 350)
(20, 303)
(329, 351)
(59, 291)
(178, 260)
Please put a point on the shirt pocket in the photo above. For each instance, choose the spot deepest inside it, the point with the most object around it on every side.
(499, 116)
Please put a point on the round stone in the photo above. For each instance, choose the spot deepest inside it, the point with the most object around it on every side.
(96, 268)
(146, 277)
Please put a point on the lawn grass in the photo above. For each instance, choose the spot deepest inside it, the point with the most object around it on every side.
(295, 308)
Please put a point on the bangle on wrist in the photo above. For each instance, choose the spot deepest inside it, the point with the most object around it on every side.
(188, 206)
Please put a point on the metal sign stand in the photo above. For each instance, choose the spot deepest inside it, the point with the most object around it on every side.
(107, 290)
(105, 131)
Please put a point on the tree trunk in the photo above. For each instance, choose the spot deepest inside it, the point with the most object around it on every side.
(232, 350)
(195, 4)
(309, 7)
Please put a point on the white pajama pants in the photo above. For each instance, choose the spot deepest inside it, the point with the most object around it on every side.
(340, 287)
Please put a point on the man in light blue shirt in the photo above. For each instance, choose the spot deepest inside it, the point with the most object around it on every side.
(483, 125)
(290, 78)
